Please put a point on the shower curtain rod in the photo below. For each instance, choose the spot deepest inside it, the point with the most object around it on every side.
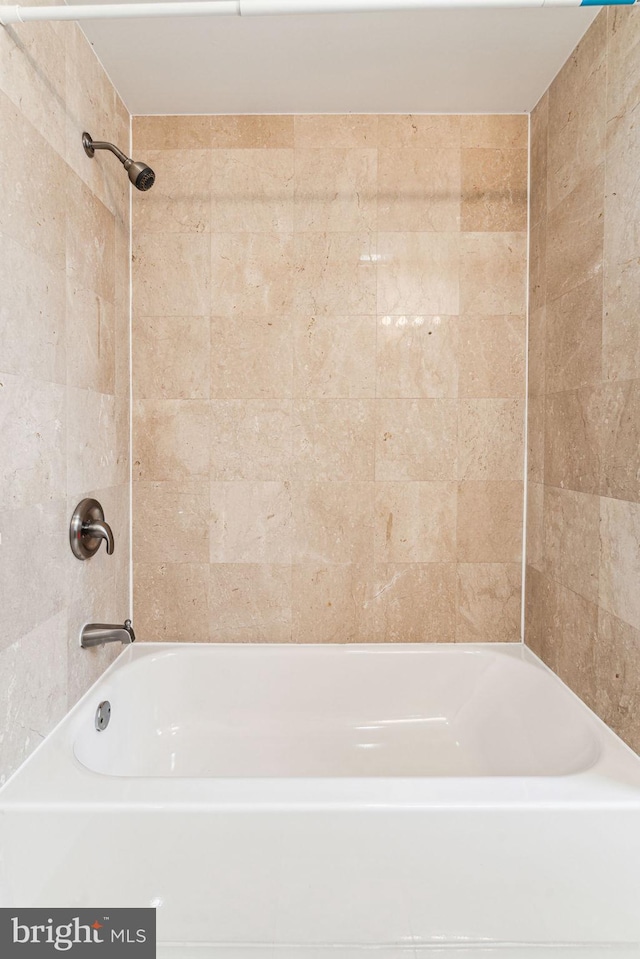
(250, 8)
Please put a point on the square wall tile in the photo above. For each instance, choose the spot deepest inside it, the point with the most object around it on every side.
(33, 417)
(162, 372)
(251, 191)
(33, 690)
(250, 523)
(621, 343)
(491, 353)
(34, 218)
(171, 601)
(332, 603)
(171, 522)
(492, 276)
(489, 522)
(180, 200)
(32, 332)
(419, 190)
(572, 540)
(572, 440)
(333, 523)
(620, 450)
(538, 160)
(415, 522)
(250, 439)
(573, 329)
(251, 357)
(417, 357)
(94, 440)
(171, 440)
(414, 603)
(577, 115)
(494, 190)
(489, 603)
(172, 274)
(575, 236)
(333, 440)
(250, 603)
(33, 551)
(251, 274)
(620, 560)
(418, 273)
(335, 190)
(334, 356)
(335, 273)
(416, 440)
(490, 439)
(90, 328)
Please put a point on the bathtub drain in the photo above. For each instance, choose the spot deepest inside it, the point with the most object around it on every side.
(103, 715)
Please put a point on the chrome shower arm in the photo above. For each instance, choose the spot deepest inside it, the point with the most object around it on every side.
(141, 175)
(103, 145)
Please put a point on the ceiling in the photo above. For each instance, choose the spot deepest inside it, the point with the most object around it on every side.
(433, 61)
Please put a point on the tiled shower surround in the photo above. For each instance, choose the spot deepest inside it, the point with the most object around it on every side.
(583, 576)
(328, 370)
(328, 343)
(64, 383)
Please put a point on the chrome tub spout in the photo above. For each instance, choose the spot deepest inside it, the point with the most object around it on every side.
(97, 634)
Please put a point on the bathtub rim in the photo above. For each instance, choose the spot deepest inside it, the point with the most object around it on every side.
(43, 783)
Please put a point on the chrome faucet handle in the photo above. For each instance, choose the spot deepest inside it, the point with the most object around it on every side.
(88, 529)
(99, 530)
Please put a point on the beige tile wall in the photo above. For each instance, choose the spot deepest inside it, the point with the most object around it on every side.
(64, 409)
(583, 594)
(328, 352)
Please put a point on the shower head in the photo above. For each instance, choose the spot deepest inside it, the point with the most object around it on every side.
(141, 175)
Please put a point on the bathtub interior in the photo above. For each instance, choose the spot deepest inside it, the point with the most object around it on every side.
(282, 712)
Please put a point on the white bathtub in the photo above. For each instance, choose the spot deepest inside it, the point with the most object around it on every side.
(404, 796)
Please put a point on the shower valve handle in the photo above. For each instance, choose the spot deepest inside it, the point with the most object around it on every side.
(100, 530)
(88, 528)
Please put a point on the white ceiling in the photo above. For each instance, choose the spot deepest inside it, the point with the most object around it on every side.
(453, 61)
